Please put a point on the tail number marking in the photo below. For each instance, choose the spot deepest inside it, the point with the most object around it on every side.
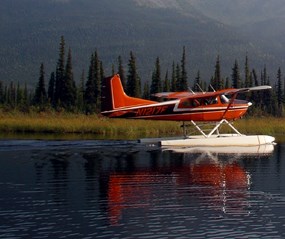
(151, 110)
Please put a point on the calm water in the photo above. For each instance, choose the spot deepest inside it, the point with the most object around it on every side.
(119, 189)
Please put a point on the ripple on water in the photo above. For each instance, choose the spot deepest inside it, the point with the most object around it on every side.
(132, 195)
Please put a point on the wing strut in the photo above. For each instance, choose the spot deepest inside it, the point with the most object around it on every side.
(230, 103)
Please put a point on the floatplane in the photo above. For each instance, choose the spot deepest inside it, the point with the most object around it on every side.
(216, 108)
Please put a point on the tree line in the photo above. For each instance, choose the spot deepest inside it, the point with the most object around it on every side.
(62, 92)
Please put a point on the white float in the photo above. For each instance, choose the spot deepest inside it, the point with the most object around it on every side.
(211, 139)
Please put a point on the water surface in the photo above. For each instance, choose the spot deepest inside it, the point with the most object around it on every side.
(120, 189)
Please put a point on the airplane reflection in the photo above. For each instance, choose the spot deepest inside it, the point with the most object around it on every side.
(222, 185)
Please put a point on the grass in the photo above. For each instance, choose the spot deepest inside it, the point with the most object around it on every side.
(80, 124)
(264, 125)
(64, 123)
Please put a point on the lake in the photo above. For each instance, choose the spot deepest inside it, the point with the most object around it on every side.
(122, 189)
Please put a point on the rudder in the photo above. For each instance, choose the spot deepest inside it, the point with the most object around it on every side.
(113, 95)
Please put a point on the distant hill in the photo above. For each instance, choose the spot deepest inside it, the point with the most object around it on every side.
(31, 30)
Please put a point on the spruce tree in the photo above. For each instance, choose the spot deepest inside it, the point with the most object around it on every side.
(98, 67)
(255, 96)
(92, 96)
(146, 91)
(12, 95)
(156, 78)
(113, 69)
(236, 80)
(166, 84)
(198, 83)
(217, 80)
(183, 77)
(26, 102)
(89, 95)
(264, 77)
(80, 93)
(254, 78)
(227, 83)
(60, 73)
(270, 101)
(178, 86)
(133, 81)
(121, 72)
(68, 98)
(51, 89)
(19, 96)
(40, 97)
(247, 79)
(279, 93)
(173, 78)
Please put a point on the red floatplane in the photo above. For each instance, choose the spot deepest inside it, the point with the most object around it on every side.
(218, 107)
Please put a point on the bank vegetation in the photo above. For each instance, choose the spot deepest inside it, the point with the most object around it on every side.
(97, 126)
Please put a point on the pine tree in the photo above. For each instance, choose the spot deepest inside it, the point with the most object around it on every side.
(68, 98)
(236, 80)
(80, 93)
(173, 79)
(279, 93)
(40, 97)
(11, 95)
(97, 74)
(227, 83)
(178, 86)
(254, 78)
(217, 80)
(89, 96)
(146, 91)
(247, 80)
(183, 78)
(133, 80)
(60, 73)
(156, 78)
(264, 77)
(92, 96)
(198, 83)
(166, 84)
(113, 69)
(19, 96)
(270, 101)
(255, 96)
(121, 72)
(51, 89)
(26, 102)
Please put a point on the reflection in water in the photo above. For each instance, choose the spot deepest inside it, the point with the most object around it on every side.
(124, 190)
(222, 185)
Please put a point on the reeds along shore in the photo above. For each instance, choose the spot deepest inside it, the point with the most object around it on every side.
(65, 123)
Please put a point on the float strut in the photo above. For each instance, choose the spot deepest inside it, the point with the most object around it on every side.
(216, 128)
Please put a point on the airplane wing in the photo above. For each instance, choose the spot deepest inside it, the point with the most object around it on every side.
(174, 95)
(243, 90)
(187, 94)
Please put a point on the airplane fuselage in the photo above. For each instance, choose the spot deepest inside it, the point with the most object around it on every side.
(203, 109)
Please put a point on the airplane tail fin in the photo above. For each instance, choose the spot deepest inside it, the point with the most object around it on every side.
(114, 97)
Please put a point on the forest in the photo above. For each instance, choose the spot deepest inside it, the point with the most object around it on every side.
(58, 90)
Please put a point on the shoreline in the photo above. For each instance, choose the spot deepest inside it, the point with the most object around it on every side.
(96, 127)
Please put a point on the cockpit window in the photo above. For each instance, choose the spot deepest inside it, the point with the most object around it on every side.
(192, 103)
(210, 101)
(224, 99)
